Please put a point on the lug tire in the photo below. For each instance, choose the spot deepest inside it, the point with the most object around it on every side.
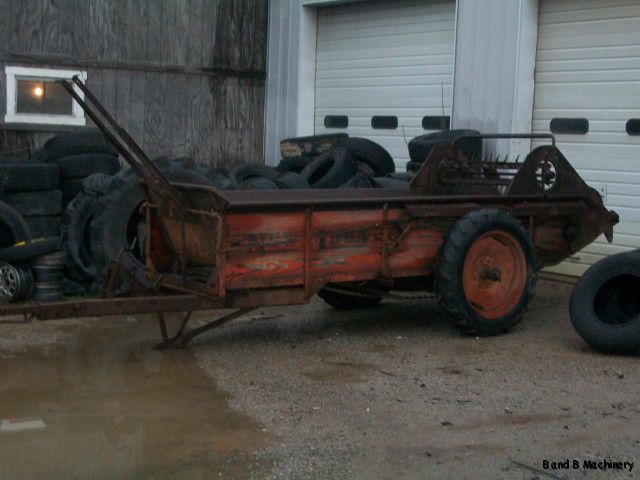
(484, 247)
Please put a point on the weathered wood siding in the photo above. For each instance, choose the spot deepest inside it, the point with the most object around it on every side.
(185, 77)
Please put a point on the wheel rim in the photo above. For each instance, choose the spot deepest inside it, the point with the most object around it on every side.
(494, 274)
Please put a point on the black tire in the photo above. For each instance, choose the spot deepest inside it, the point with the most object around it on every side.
(369, 153)
(117, 220)
(331, 169)
(414, 166)
(390, 183)
(420, 147)
(96, 184)
(28, 176)
(46, 202)
(343, 301)
(605, 305)
(44, 226)
(83, 165)
(76, 237)
(311, 145)
(294, 164)
(291, 181)
(29, 249)
(359, 180)
(241, 173)
(257, 183)
(90, 141)
(70, 189)
(13, 228)
(450, 270)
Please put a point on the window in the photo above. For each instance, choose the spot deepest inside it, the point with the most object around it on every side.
(384, 122)
(33, 96)
(436, 122)
(571, 126)
(336, 121)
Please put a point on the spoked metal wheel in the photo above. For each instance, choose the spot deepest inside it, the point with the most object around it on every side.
(16, 282)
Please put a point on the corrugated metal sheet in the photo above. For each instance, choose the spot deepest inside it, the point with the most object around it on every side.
(588, 66)
(391, 58)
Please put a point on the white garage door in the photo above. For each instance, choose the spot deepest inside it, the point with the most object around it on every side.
(588, 70)
(387, 64)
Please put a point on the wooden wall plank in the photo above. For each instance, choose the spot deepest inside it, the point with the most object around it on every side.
(66, 21)
(26, 35)
(49, 26)
(122, 110)
(193, 46)
(136, 34)
(137, 109)
(154, 31)
(169, 31)
(83, 34)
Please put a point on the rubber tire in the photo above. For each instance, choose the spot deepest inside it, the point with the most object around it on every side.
(389, 183)
(13, 228)
(291, 181)
(71, 189)
(28, 176)
(257, 183)
(294, 164)
(347, 302)
(96, 184)
(45, 202)
(450, 264)
(83, 165)
(89, 141)
(245, 171)
(30, 249)
(592, 317)
(369, 153)
(311, 145)
(420, 147)
(359, 180)
(44, 226)
(331, 169)
(76, 237)
(414, 166)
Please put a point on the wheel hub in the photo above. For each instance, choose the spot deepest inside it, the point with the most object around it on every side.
(494, 274)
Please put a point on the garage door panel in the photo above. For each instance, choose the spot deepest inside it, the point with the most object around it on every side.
(392, 58)
(588, 66)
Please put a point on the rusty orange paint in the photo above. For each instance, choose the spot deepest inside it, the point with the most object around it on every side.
(494, 274)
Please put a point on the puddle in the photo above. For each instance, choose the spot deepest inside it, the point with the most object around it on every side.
(106, 405)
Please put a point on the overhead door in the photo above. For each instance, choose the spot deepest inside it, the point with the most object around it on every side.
(384, 70)
(587, 85)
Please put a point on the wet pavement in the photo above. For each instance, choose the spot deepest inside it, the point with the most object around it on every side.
(388, 392)
(99, 402)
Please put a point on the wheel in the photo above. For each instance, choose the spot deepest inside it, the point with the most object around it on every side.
(13, 228)
(331, 169)
(16, 282)
(369, 153)
(76, 237)
(420, 147)
(43, 202)
(26, 176)
(343, 301)
(605, 306)
(90, 141)
(486, 272)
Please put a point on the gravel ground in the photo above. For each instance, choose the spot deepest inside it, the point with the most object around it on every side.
(396, 392)
(310, 392)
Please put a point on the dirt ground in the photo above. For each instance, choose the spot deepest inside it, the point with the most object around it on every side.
(310, 392)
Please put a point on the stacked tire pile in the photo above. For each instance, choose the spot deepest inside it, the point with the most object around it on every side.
(34, 193)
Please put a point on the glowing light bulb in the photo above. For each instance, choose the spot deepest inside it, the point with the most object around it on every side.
(38, 91)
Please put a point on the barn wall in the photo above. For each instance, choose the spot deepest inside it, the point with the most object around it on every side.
(185, 77)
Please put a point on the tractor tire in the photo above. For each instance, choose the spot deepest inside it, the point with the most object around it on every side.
(486, 272)
(605, 306)
(76, 238)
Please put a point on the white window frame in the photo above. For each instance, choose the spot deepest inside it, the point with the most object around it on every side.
(12, 116)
